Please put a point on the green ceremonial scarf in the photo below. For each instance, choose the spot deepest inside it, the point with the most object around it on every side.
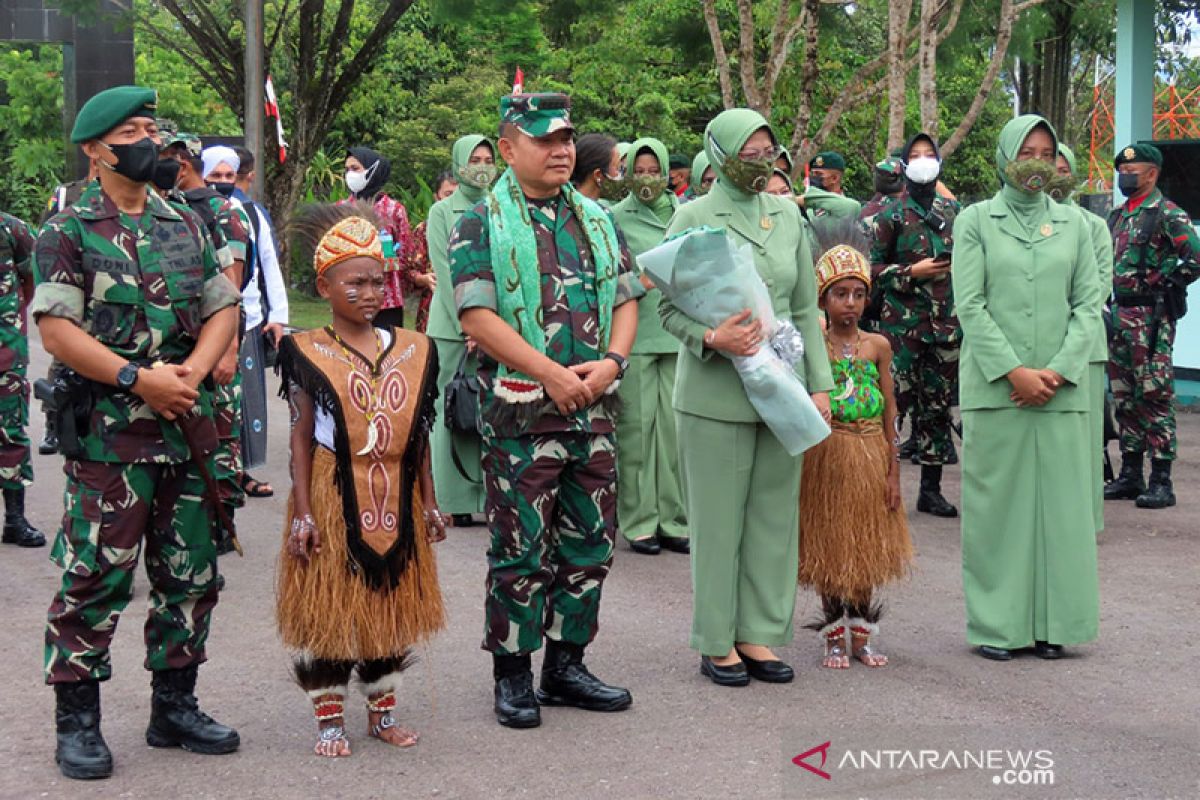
(662, 206)
(724, 138)
(1029, 209)
(460, 155)
(515, 259)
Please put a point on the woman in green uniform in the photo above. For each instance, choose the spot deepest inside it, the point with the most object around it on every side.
(741, 486)
(649, 501)
(702, 174)
(455, 455)
(1027, 290)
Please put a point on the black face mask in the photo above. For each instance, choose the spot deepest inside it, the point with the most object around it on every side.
(135, 161)
(223, 189)
(816, 181)
(1127, 182)
(166, 173)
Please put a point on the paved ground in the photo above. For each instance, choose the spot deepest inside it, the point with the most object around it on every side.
(1118, 718)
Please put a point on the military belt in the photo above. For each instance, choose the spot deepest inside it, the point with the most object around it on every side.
(1136, 300)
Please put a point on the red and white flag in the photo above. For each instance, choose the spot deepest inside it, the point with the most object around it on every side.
(519, 82)
(272, 110)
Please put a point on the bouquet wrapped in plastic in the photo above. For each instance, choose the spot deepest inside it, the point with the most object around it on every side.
(709, 279)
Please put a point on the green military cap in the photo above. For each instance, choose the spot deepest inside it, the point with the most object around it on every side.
(190, 141)
(108, 109)
(537, 114)
(1139, 154)
(680, 162)
(828, 160)
(890, 166)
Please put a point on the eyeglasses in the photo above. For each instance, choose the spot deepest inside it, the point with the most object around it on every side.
(769, 154)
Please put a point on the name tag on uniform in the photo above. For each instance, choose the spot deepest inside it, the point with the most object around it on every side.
(95, 262)
(181, 263)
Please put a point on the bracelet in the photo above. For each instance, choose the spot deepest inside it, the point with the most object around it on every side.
(436, 516)
(709, 336)
(303, 524)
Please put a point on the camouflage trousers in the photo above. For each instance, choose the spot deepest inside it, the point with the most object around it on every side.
(926, 387)
(16, 470)
(227, 459)
(551, 507)
(111, 509)
(1142, 377)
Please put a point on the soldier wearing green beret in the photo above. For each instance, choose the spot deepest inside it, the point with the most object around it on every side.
(681, 177)
(825, 171)
(1156, 252)
(543, 282)
(130, 297)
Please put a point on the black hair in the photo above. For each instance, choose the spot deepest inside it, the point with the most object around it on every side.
(245, 159)
(593, 151)
(442, 177)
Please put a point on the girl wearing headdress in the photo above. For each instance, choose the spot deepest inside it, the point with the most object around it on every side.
(855, 532)
(357, 581)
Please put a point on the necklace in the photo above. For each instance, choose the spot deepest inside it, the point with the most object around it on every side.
(370, 408)
(849, 349)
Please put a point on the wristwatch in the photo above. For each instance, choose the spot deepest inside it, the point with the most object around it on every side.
(622, 362)
(127, 376)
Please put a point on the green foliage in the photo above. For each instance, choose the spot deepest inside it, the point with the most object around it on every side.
(32, 143)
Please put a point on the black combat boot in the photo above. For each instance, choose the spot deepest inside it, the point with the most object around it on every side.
(177, 721)
(930, 498)
(516, 706)
(1159, 494)
(80, 751)
(17, 529)
(567, 682)
(1130, 484)
(49, 444)
(908, 449)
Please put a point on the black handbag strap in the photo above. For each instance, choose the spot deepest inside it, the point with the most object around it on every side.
(458, 465)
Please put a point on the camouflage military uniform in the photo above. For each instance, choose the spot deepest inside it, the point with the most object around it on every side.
(1140, 371)
(550, 488)
(16, 248)
(143, 288)
(917, 317)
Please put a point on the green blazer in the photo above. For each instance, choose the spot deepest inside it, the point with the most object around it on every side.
(1024, 300)
(443, 316)
(643, 230)
(706, 383)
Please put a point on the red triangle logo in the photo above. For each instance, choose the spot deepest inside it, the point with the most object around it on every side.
(823, 749)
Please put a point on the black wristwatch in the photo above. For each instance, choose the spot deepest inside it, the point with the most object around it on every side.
(622, 363)
(127, 376)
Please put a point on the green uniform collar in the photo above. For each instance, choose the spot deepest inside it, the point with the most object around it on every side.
(94, 204)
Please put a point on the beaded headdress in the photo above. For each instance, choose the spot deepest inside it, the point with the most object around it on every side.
(350, 238)
(842, 261)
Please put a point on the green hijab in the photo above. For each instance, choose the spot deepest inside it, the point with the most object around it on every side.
(662, 206)
(460, 155)
(1028, 208)
(699, 164)
(723, 139)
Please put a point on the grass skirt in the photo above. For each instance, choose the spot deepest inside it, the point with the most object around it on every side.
(850, 543)
(325, 609)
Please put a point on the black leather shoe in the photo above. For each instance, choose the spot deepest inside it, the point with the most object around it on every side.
(909, 448)
(516, 706)
(676, 544)
(994, 653)
(80, 750)
(177, 721)
(567, 682)
(1048, 651)
(767, 671)
(647, 547)
(17, 529)
(49, 444)
(930, 499)
(732, 675)
(1160, 493)
(1130, 483)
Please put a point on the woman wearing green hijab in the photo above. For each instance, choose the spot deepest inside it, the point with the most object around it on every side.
(1062, 189)
(649, 501)
(702, 174)
(1027, 291)
(741, 486)
(456, 458)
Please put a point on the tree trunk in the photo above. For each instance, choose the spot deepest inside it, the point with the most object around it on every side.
(720, 55)
(927, 67)
(898, 13)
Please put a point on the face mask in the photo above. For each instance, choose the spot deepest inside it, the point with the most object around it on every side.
(356, 182)
(134, 161)
(478, 175)
(166, 173)
(1030, 175)
(749, 176)
(923, 170)
(1060, 187)
(816, 181)
(647, 188)
(1127, 182)
(223, 189)
(612, 188)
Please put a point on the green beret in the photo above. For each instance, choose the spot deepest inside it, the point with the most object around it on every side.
(190, 141)
(828, 160)
(1139, 154)
(890, 166)
(110, 108)
(679, 162)
(537, 114)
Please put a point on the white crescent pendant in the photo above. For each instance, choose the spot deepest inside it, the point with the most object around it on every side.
(848, 391)
(372, 438)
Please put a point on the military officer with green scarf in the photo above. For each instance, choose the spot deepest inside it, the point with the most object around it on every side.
(456, 474)
(649, 500)
(543, 282)
(1027, 293)
(741, 486)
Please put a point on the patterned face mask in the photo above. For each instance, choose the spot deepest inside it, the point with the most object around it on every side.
(1031, 175)
(749, 176)
(647, 188)
(1060, 187)
(613, 188)
(478, 175)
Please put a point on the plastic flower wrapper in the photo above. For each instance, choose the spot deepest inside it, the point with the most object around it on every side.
(707, 277)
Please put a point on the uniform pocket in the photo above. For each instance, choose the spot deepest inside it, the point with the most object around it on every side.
(77, 546)
(115, 308)
(185, 288)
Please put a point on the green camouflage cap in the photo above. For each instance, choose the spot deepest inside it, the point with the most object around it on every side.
(537, 114)
(890, 166)
(828, 160)
(108, 109)
(1139, 154)
(190, 141)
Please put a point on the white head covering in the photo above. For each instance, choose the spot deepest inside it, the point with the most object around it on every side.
(218, 154)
